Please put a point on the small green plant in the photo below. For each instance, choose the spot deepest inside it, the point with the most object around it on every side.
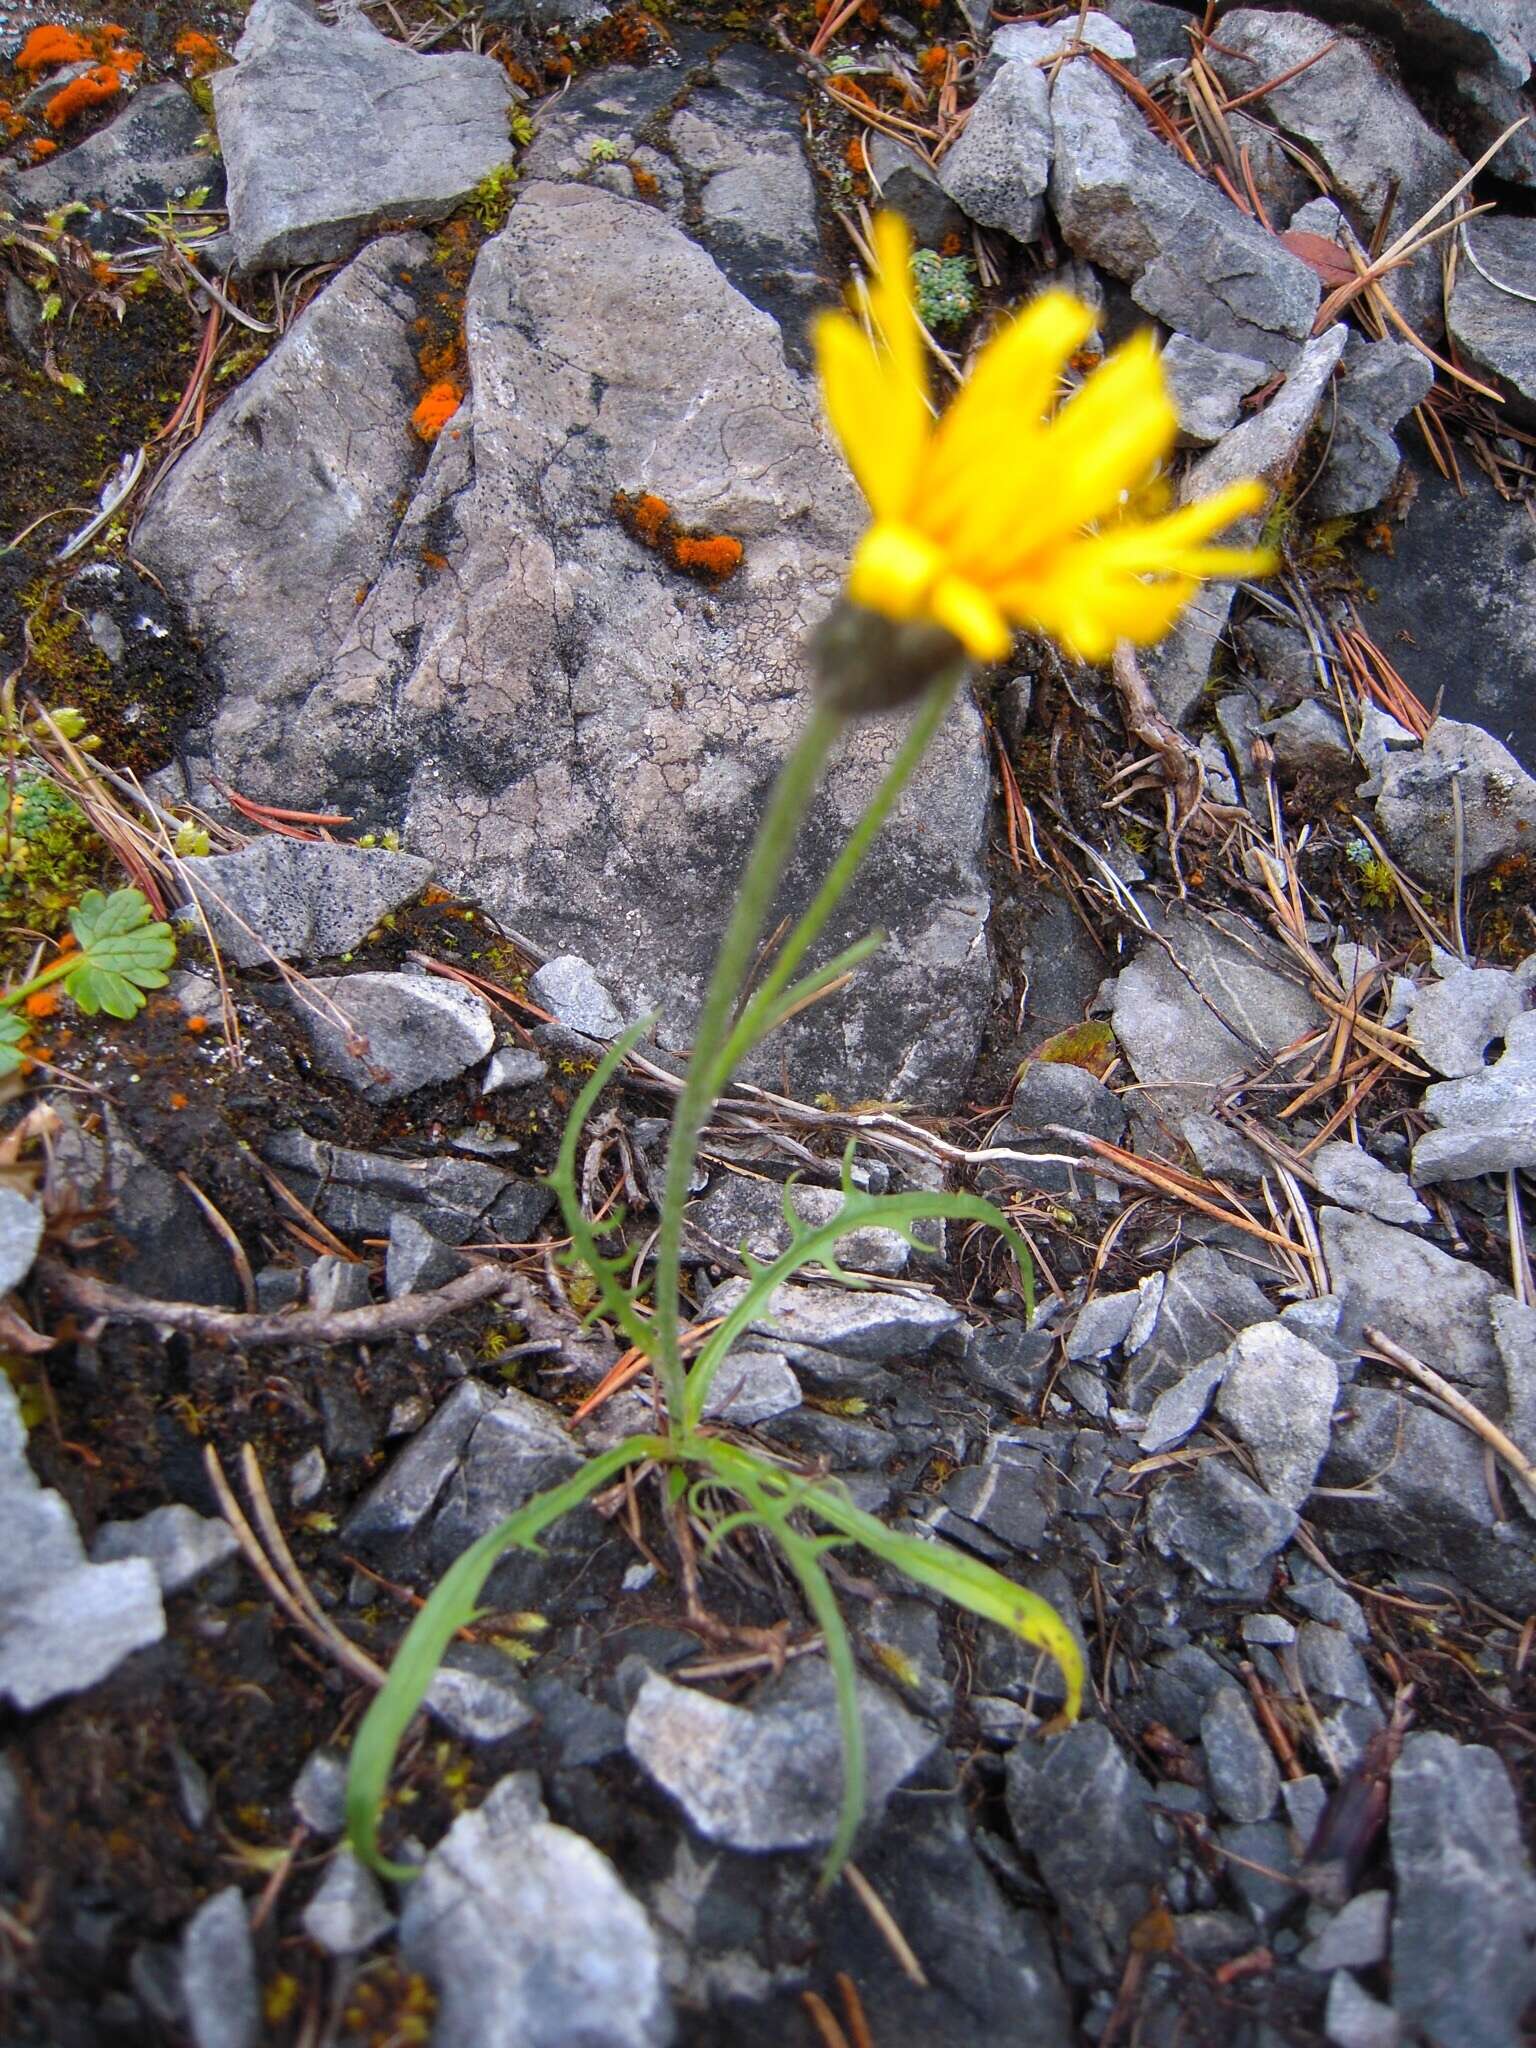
(946, 289)
(491, 200)
(602, 151)
(1378, 884)
(48, 853)
(804, 1517)
(123, 950)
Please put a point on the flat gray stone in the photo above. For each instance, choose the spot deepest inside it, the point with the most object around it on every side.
(997, 171)
(1496, 35)
(1208, 385)
(860, 1325)
(320, 1792)
(1278, 1394)
(179, 1543)
(1514, 1332)
(347, 1913)
(146, 158)
(416, 1261)
(1219, 1522)
(1348, 1175)
(1416, 811)
(21, 1232)
(1353, 2019)
(273, 599)
(218, 1974)
(1310, 739)
(1368, 132)
(1433, 1305)
(1080, 1809)
(299, 899)
(1206, 1003)
(529, 1937)
(1382, 381)
(518, 1448)
(1265, 445)
(416, 1030)
(1180, 1409)
(1492, 326)
(478, 1695)
(512, 1066)
(1101, 1324)
(1203, 1300)
(750, 1387)
(1464, 1922)
(1455, 1021)
(1125, 201)
(738, 1211)
(406, 1494)
(1407, 1480)
(1487, 1120)
(769, 1777)
(1355, 1938)
(1331, 1666)
(909, 186)
(360, 1193)
(335, 1283)
(570, 990)
(1240, 1766)
(332, 131)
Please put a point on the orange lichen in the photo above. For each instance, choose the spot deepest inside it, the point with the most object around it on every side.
(437, 360)
(713, 556)
(50, 45)
(431, 559)
(436, 407)
(201, 54)
(933, 60)
(177, 1100)
(647, 184)
(42, 148)
(92, 89)
(647, 518)
(854, 157)
(44, 1004)
(197, 1026)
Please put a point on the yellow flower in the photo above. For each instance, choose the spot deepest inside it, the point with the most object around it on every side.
(1007, 512)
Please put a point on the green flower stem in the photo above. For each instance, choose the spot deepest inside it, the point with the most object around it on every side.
(931, 713)
(55, 972)
(791, 798)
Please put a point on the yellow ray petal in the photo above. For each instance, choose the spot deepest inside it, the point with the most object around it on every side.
(857, 391)
(969, 613)
(981, 449)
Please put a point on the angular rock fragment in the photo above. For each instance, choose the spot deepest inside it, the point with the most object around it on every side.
(1350, 1176)
(998, 170)
(529, 1937)
(1382, 382)
(148, 158)
(1487, 1121)
(1219, 1522)
(1433, 1305)
(299, 899)
(1278, 1394)
(1239, 1763)
(1464, 1920)
(331, 131)
(1208, 385)
(180, 1544)
(1368, 132)
(387, 1035)
(769, 1776)
(1490, 310)
(360, 1193)
(1458, 1022)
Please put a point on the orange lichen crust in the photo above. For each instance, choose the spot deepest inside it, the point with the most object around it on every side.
(201, 54)
(51, 45)
(711, 557)
(435, 408)
(41, 148)
(92, 89)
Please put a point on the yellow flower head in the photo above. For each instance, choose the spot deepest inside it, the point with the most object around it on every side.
(1007, 512)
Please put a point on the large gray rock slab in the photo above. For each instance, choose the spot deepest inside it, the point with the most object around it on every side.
(1125, 201)
(1207, 1001)
(529, 1938)
(1490, 311)
(283, 508)
(300, 899)
(1496, 35)
(1416, 810)
(332, 130)
(1464, 1923)
(1455, 603)
(1372, 138)
(147, 158)
(769, 1776)
(1433, 1305)
(561, 721)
